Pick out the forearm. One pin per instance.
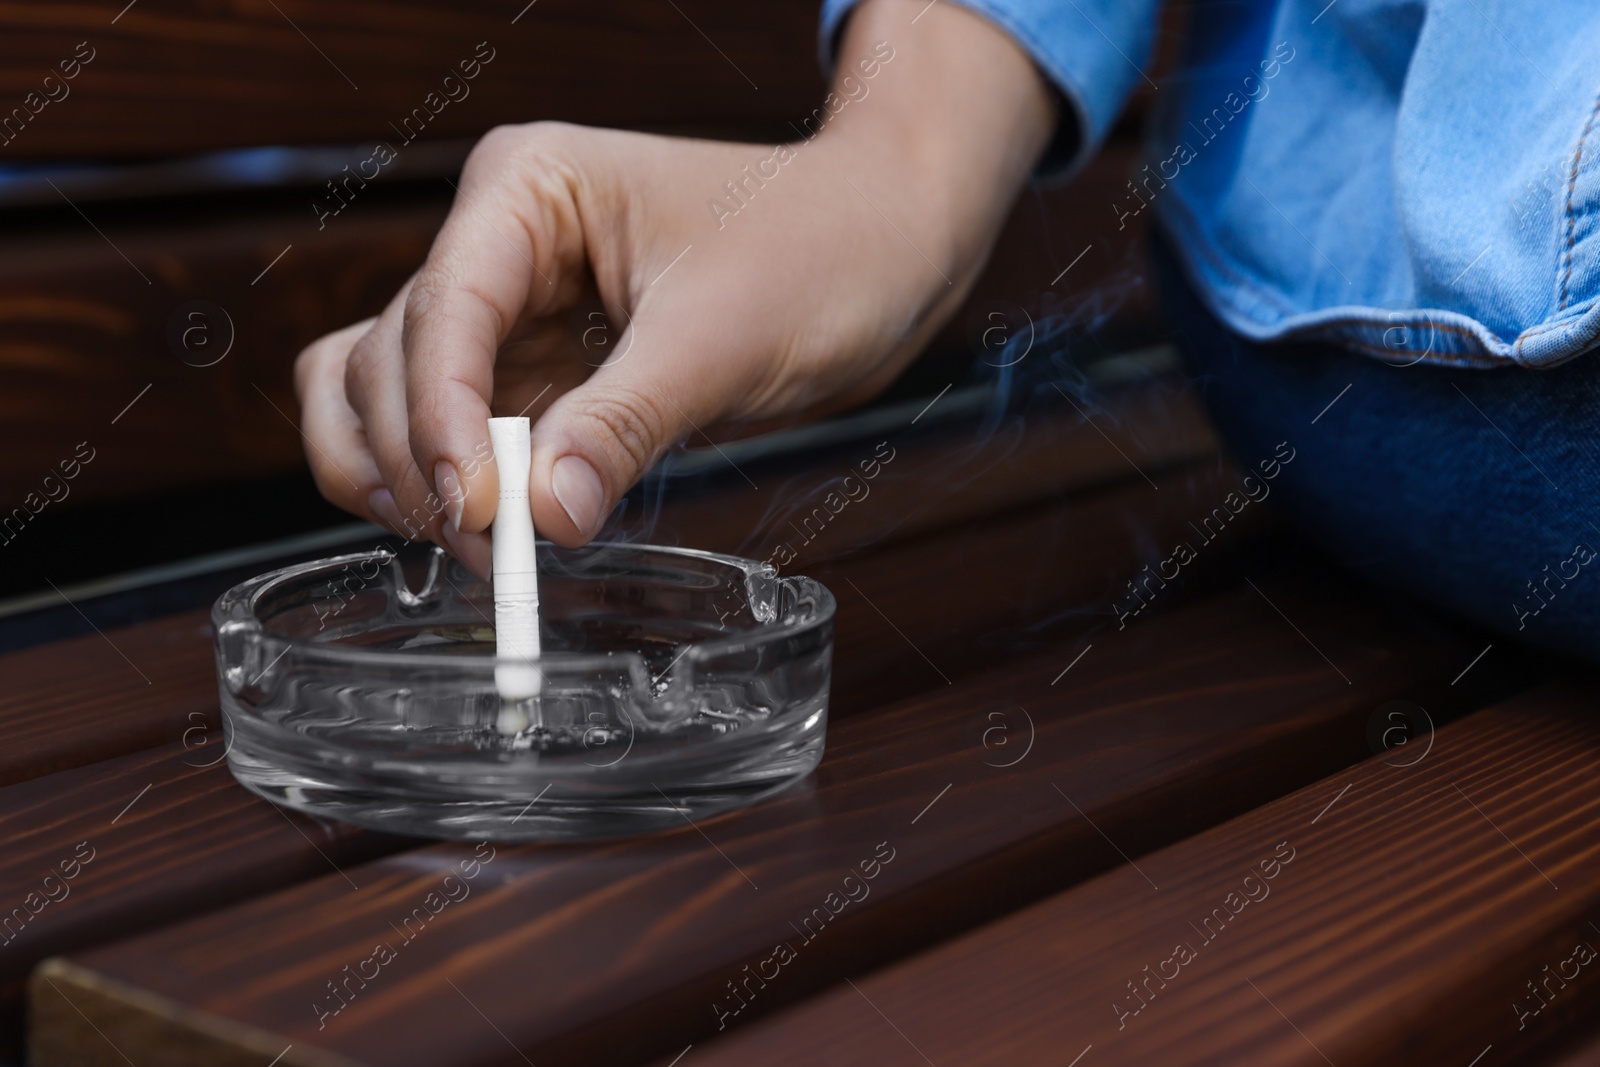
(952, 124)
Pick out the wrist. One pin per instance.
(943, 109)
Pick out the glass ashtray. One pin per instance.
(676, 684)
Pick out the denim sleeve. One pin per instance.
(1092, 51)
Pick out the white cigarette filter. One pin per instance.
(516, 575)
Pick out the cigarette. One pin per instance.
(516, 576)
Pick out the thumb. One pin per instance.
(597, 440)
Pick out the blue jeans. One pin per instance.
(1475, 490)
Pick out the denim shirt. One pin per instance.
(1415, 179)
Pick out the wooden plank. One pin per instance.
(169, 77)
(91, 698)
(632, 948)
(1153, 433)
(103, 695)
(944, 632)
(916, 614)
(1439, 913)
(138, 841)
(90, 355)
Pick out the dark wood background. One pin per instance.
(171, 77)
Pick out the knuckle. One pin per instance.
(496, 143)
(360, 367)
(443, 293)
(635, 423)
(548, 137)
(312, 359)
(506, 151)
(495, 149)
(354, 394)
(427, 293)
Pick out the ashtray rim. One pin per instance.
(400, 780)
(236, 612)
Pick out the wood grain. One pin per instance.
(160, 834)
(103, 695)
(92, 698)
(916, 614)
(85, 334)
(73, 697)
(1146, 435)
(610, 953)
(170, 77)
(1419, 909)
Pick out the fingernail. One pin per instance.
(381, 503)
(473, 550)
(578, 490)
(448, 485)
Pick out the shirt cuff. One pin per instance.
(1091, 51)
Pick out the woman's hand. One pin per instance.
(827, 264)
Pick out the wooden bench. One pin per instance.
(629, 948)
(1417, 908)
(1015, 759)
(1159, 730)
(97, 719)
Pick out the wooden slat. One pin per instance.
(960, 472)
(84, 335)
(916, 614)
(166, 832)
(1441, 913)
(94, 697)
(598, 954)
(170, 77)
(896, 634)
(103, 695)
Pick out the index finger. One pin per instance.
(487, 267)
